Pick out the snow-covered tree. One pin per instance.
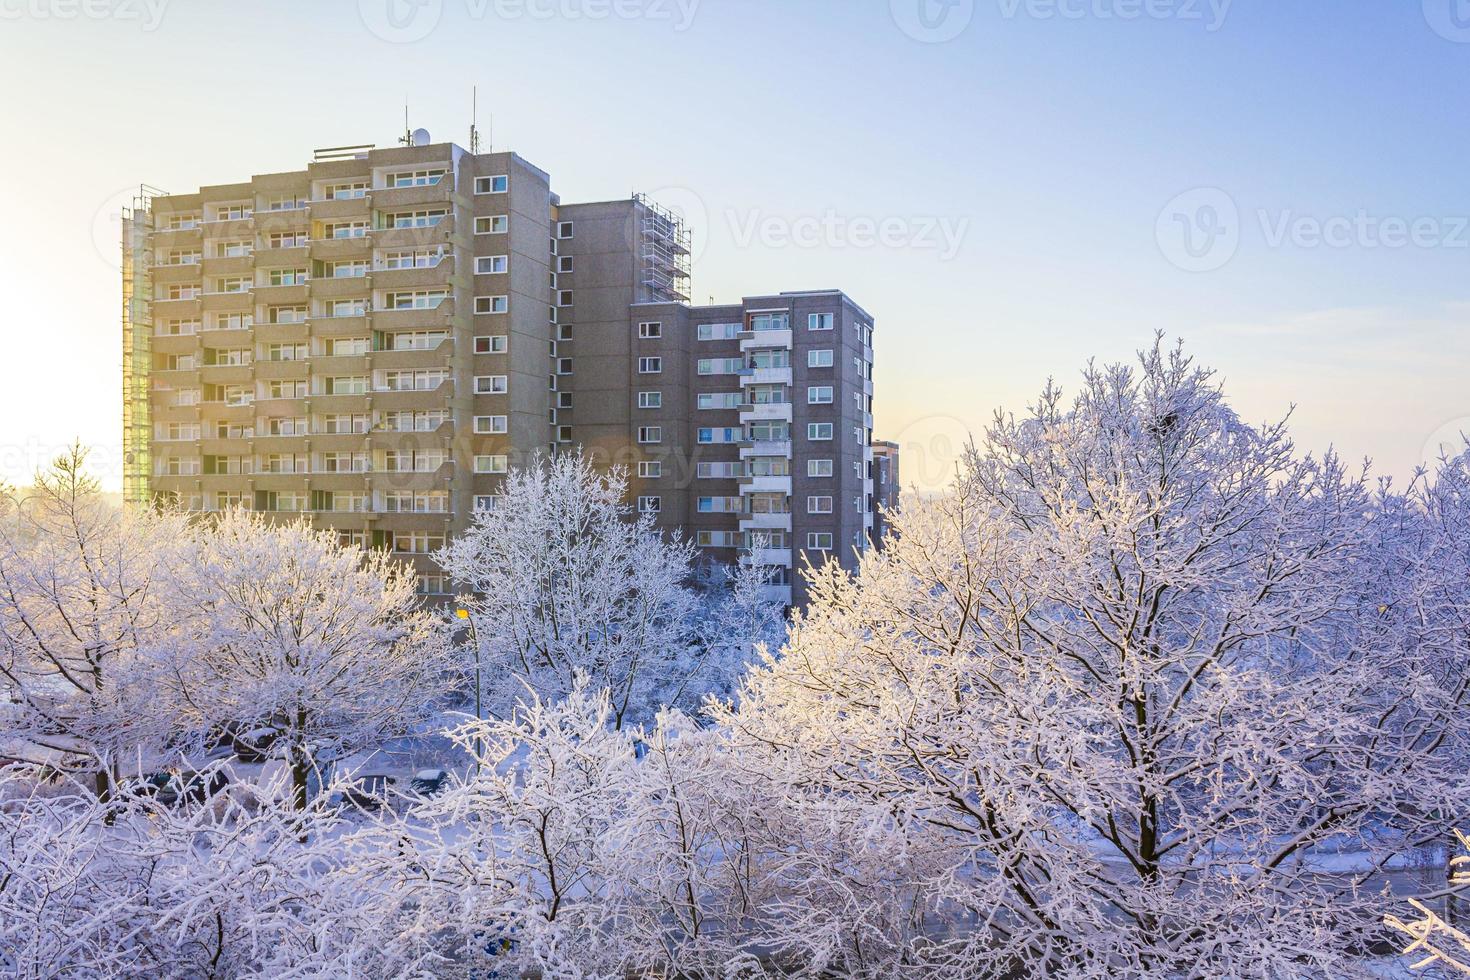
(1151, 694)
(285, 629)
(1435, 939)
(80, 605)
(562, 579)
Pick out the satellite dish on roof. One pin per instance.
(420, 137)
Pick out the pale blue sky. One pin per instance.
(1027, 175)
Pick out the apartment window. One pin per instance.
(347, 191)
(768, 466)
(415, 339)
(564, 264)
(495, 224)
(416, 299)
(411, 258)
(345, 463)
(720, 365)
(491, 384)
(485, 502)
(819, 468)
(819, 358)
(286, 314)
(720, 434)
(177, 291)
(563, 399)
(770, 321)
(650, 365)
(286, 277)
(486, 265)
(718, 505)
(415, 178)
(819, 541)
(345, 229)
(492, 304)
(286, 389)
(717, 539)
(422, 380)
(345, 424)
(564, 365)
(649, 434)
(649, 505)
(412, 462)
(650, 469)
(496, 344)
(417, 543)
(650, 399)
(286, 239)
(414, 421)
(717, 331)
(819, 395)
(564, 229)
(819, 321)
(492, 464)
(650, 331)
(718, 471)
(492, 185)
(346, 346)
(285, 427)
(347, 386)
(491, 425)
(564, 297)
(427, 218)
(819, 505)
(346, 308)
(354, 269)
(819, 431)
(718, 399)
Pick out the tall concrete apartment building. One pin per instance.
(375, 340)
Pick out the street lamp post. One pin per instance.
(464, 614)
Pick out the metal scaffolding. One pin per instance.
(663, 253)
(137, 331)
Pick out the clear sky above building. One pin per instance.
(1009, 186)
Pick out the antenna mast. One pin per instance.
(407, 138)
(474, 119)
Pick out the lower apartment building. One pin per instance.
(376, 340)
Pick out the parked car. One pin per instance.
(427, 782)
(254, 745)
(369, 792)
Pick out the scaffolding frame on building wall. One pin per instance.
(663, 252)
(137, 331)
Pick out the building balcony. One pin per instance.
(436, 356)
(414, 400)
(344, 366)
(765, 484)
(416, 278)
(773, 411)
(230, 265)
(765, 340)
(342, 209)
(766, 522)
(781, 448)
(426, 318)
(341, 249)
(768, 557)
(339, 442)
(355, 325)
(280, 370)
(236, 302)
(424, 236)
(290, 255)
(776, 593)
(268, 223)
(228, 229)
(280, 333)
(167, 309)
(766, 376)
(292, 294)
(393, 198)
(174, 237)
(165, 275)
(340, 287)
(226, 374)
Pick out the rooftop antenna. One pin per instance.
(407, 138)
(474, 119)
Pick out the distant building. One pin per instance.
(377, 339)
(886, 486)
